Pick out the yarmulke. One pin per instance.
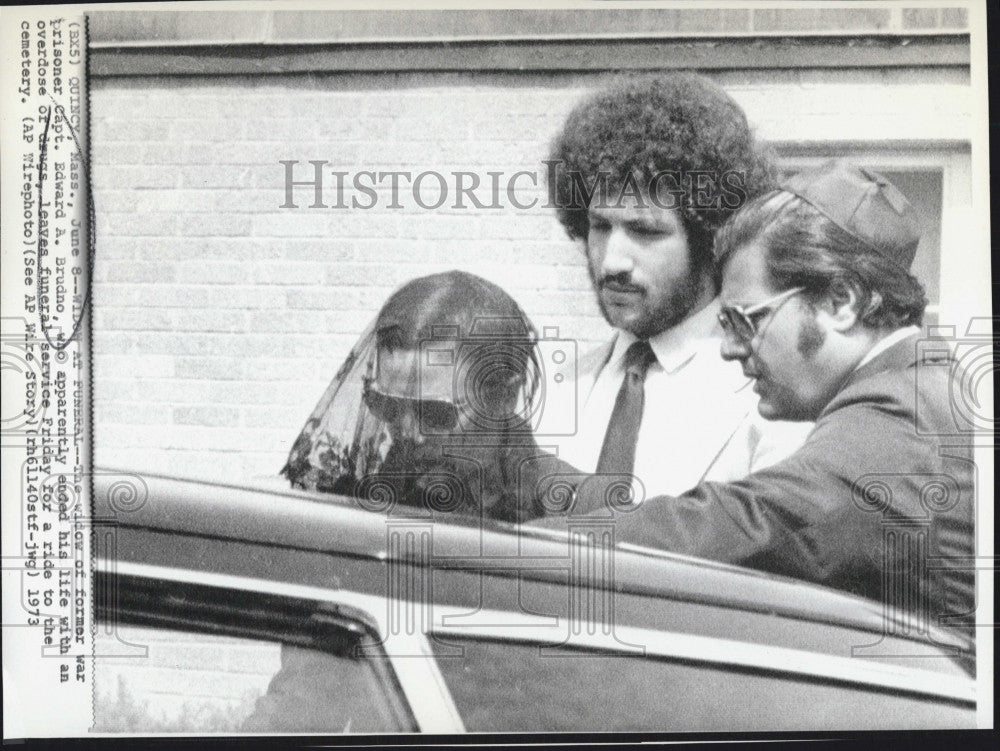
(864, 204)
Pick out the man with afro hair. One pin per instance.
(642, 175)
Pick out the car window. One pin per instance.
(177, 658)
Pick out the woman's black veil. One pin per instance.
(346, 449)
(342, 440)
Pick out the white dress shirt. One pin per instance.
(700, 419)
(884, 343)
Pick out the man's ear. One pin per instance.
(842, 308)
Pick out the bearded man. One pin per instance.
(642, 176)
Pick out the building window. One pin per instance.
(937, 183)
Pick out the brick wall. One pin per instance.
(220, 317)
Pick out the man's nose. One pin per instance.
(733, 348)
(617, 253)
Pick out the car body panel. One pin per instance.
(445, 581)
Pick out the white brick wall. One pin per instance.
(220, 318)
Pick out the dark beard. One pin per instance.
(686, 296)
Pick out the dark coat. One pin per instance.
(879, 501)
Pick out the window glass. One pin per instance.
(923, 189)
(173, 657)
(185, 682)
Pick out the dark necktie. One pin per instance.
(618, 451)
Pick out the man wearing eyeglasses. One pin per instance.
(642, 176)
(820, 310)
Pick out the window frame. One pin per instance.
(423, 690)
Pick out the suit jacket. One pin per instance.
(879, 501)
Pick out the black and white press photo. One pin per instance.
(594, 367)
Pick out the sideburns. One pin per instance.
(811, 337)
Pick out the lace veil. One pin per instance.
(466, 347)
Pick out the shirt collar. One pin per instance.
(676, 346)
(884, 343)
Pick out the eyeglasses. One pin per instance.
(433, 414)
(743, 322)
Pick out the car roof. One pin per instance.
(340, 526)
